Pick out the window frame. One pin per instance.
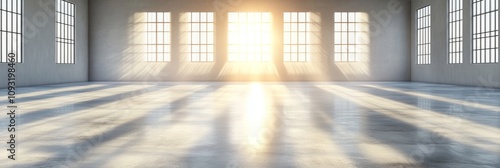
(346, 49)
(152, 37)
(65, 44)
(209, 21)
(266, 49)
(424, 55)
(455, 41)
(16, 33)
(476, 59)
(302, 32)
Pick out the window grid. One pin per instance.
(65, 29)
(201, 26)
(249, 36)
(11, 29)
(455, 19)
(348, 29)
(424, 35)
(297, 41)
(158, 36)
(485, 31)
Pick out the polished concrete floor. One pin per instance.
(234, 125)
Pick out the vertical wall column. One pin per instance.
(467, 31)
(221, 37)
(175, 38)
(277, 39)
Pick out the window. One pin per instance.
(349, 30)
(249, 36)
(424, 36)
(158, 36)
(11, 29)
(485, 31)
(201, 42)
(65, 28)
(455, 31)
(297, 36)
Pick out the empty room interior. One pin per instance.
(250, 83)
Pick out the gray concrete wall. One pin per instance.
(39, 66)
(485, 75)
(116, 37)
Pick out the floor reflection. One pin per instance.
(392, 124)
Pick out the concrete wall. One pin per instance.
(39, 66)
(117, 38)
(485, 75)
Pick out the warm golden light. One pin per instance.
(249, 37)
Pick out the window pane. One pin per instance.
(65, 32)
(296, 34)
(158, 36)
(455, 33)
(10, 30)
(201, 36)
(349, 28)
(249, 37)
(484, 31)
(424, 35)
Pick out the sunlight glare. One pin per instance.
(255, 113)
(249, 36)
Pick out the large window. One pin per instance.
(158, 36)
(455, 31)
(249, 36)
(11, 29)
(349, 30)
(485, 31)
(65, 32)
(201, 42)
(297, 27)
(424, 35)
